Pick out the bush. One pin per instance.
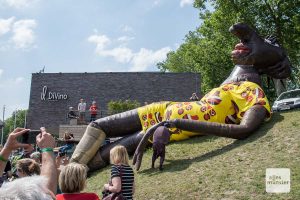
(121, 106)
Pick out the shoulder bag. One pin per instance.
(116, 195)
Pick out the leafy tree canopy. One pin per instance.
(17, 119)
(119, 106)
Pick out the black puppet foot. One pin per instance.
(161, 168)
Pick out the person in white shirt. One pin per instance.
(81, 110)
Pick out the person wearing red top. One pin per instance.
(93, 110)
(77, 196)
(72, 181)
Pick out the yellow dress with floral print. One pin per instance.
(225, 104)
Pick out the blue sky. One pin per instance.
(85, 36)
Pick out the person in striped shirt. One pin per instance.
(122, 176)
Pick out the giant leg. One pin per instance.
(118, 125)
(101, 159)
(162, 157)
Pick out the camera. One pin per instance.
(61, 154)
(30, 136)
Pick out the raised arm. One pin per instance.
(10, 145)
(250, 122)
(46, 143)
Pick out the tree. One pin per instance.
(207, 49)
(10, 122)
(119, 106)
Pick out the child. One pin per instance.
(122, 176)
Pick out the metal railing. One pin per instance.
(100, 114)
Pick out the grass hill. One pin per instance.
(220, 168)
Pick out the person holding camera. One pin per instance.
(72, 114)
(7, 174)
(69, 143)
(194, 97)
(33, 187)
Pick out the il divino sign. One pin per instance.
(52, 96)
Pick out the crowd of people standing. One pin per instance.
(44, 176)
(80, 113)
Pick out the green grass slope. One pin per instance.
(219, 168)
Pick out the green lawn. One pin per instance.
(219, 168)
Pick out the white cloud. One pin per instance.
(8, 84)
(145, 58)
(127, 29)
(5, 25)
(186, 2)
(24, 36)
(139, 61)
(125, 39)
(120, 54)
(1, 72)
(100, 40)
(156, 2)
(176, 46)
(19, 80)
(19, 4)
(20, 33)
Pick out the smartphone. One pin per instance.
(30, 136)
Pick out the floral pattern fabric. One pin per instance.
(225, 104)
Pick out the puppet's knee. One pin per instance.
(97, 162)
(89, 144)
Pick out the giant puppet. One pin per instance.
(235, 109)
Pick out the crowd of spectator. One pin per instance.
(44, 175)
(38, 182)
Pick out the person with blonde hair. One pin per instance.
(27, 167)
(122, 176)
(72, 180)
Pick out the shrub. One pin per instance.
(121, 106)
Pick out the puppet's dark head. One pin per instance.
(265, 55)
